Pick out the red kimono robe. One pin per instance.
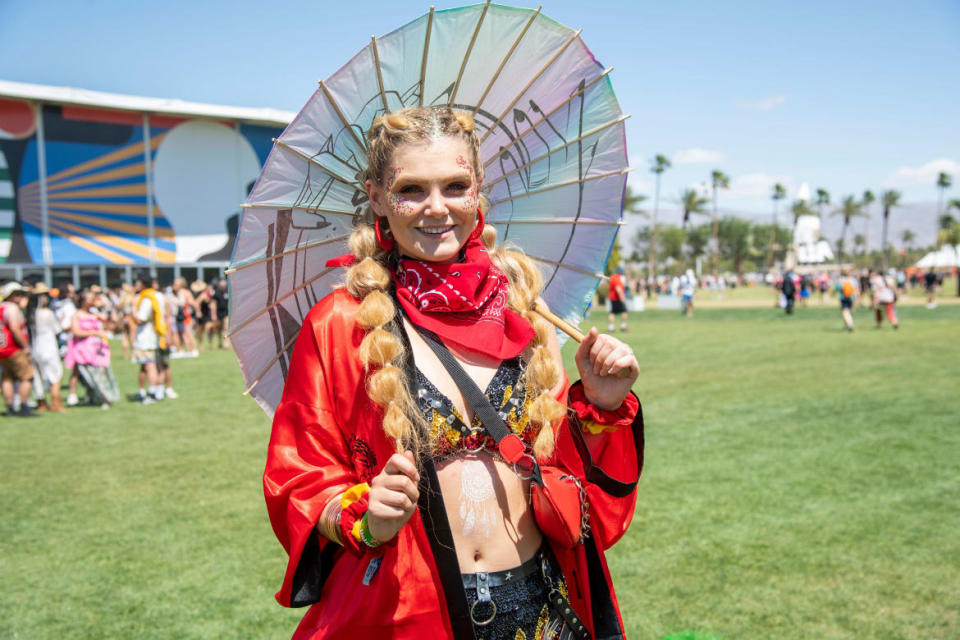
(327, 436)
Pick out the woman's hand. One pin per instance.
(607, 369)
(393, 496)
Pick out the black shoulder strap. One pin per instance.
(477, 400)
(437, 527)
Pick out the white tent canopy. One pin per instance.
(946, 256)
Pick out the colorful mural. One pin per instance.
(120, 188)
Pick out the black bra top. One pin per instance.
(449, 433)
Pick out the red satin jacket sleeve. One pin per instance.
(308, 460)
(610, 464)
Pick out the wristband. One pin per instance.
(354, 529)
(365, 536)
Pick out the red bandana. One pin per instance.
(463, 302)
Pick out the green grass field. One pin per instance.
(800, 482)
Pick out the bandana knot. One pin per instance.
(463, 302)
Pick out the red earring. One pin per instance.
(386, 242)
(478, 230)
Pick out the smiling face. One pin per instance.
(430, 197)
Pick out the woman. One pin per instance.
(885, 298)
(44, 328)
(203, 293)
(399, 512)
(127, 326)
(88, 354)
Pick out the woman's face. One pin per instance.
(429, 197)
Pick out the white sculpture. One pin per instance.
(806, 238)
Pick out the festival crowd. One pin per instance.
(46, 333)
(871, 288)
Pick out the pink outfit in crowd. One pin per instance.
(90, 350)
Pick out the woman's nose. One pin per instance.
(436, 203)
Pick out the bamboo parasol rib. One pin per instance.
(466, 56)
(505, 59)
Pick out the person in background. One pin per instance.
(164, 372)
(203, 295)
(901, 277)
(884, 299)
(186, 313)
(222, 315)
(88, 355)
(151, 332)
(864, 287)
(823, 284)
(847, 292)
(618, 301)
(806, 284)
(128, 327)
(48, 369)
(64, 306)
(15, 349)
(930, 286)
(687, 285)
(789, 289)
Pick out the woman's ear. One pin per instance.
(375, 195)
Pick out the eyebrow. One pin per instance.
(406, 178)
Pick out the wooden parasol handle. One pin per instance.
(558, 322)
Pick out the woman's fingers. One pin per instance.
(583, 351)
(400, 484)
(601, 350)
(402, 464)
(625, 363)
(393, 495)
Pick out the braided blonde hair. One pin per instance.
(382, 352)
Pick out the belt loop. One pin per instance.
(483, 595)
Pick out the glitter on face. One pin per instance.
(430, 202)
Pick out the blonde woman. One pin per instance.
(402, 514)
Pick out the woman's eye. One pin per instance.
(410, 190)
(458, 186)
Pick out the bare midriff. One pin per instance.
(488, 508)
(487, 504)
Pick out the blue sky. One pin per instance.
(846, 96)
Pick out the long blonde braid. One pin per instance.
(368, 280)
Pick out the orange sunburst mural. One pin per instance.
(98, 209)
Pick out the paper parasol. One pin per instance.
(552, 143)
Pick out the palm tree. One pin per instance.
(858, 242)
(692, 202)
(779, 193)
(849, 210)
(658, 166)
(735, 240)
(889, 199)
(907, 237)
(718, 180)
(823, 197)
(944, 182)
(867, 200)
